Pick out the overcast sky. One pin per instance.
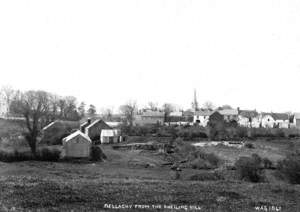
(237, 52)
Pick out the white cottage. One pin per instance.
(270, 120)
(202, 117)
(296, 121)
(77, 145)
(249, 118)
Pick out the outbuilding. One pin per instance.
(110, 136)
(77, 145)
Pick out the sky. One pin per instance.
(237, 52)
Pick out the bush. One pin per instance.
(201, 164)
(290, 168)
(249, 168)
(267, 163)
(205, 176)
(46, 154)
(202, 160)
(96, 154)
(249, 145)
(15, 156)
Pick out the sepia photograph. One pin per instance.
(161, 105)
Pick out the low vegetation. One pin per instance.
(207, 176)
(290, 168)
(43, 154)
(250, 168)
(96, 154)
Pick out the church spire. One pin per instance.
(195, 102)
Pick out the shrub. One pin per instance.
(46, 154)
(199, 163)
(96, 154)
(205, 176)
(249, 168)
(290, 168)
(249, 145)
(267, 163)
(242, 132)
(15, 156)
(202, 160)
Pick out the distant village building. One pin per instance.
(77, 145)
(216, 117)
(296, 120)
(249, 118)
(229, 114)
(109, 136)
(150, 117)
(201, 117)
(272, 120)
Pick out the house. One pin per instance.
(216, 117)
(229, 114)
(201, 117)
(77, 145)
(54, 132)
(271, 120)
(176, 114)
(150, 117)
(296, 120)
(109, 136)
(188, 116)
(249, 118)
(94, 129)
(282, 120)
(267, 120)
(85, 124)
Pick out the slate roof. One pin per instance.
(297, 115)
(95, 122)
(248, 113)
(73, 135)
(204, 112)
(278, 116)
(228, 112)
(153, 114)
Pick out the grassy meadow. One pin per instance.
(142, 180)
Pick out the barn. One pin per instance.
(77, 145)
(95, 128)
(54, 132)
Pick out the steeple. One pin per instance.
(195, 102)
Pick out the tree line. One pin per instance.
(39, 108)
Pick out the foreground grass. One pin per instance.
(78, 192)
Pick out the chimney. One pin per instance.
(89, 121)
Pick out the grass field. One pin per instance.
(124, 179)
(137, 179)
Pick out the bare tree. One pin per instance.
(92, 110)
(167, 108)
(129, 110)
(81, 109)
(208, 105)
(153, 106)
(34, 106)
(7, 93)
(107, 114)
